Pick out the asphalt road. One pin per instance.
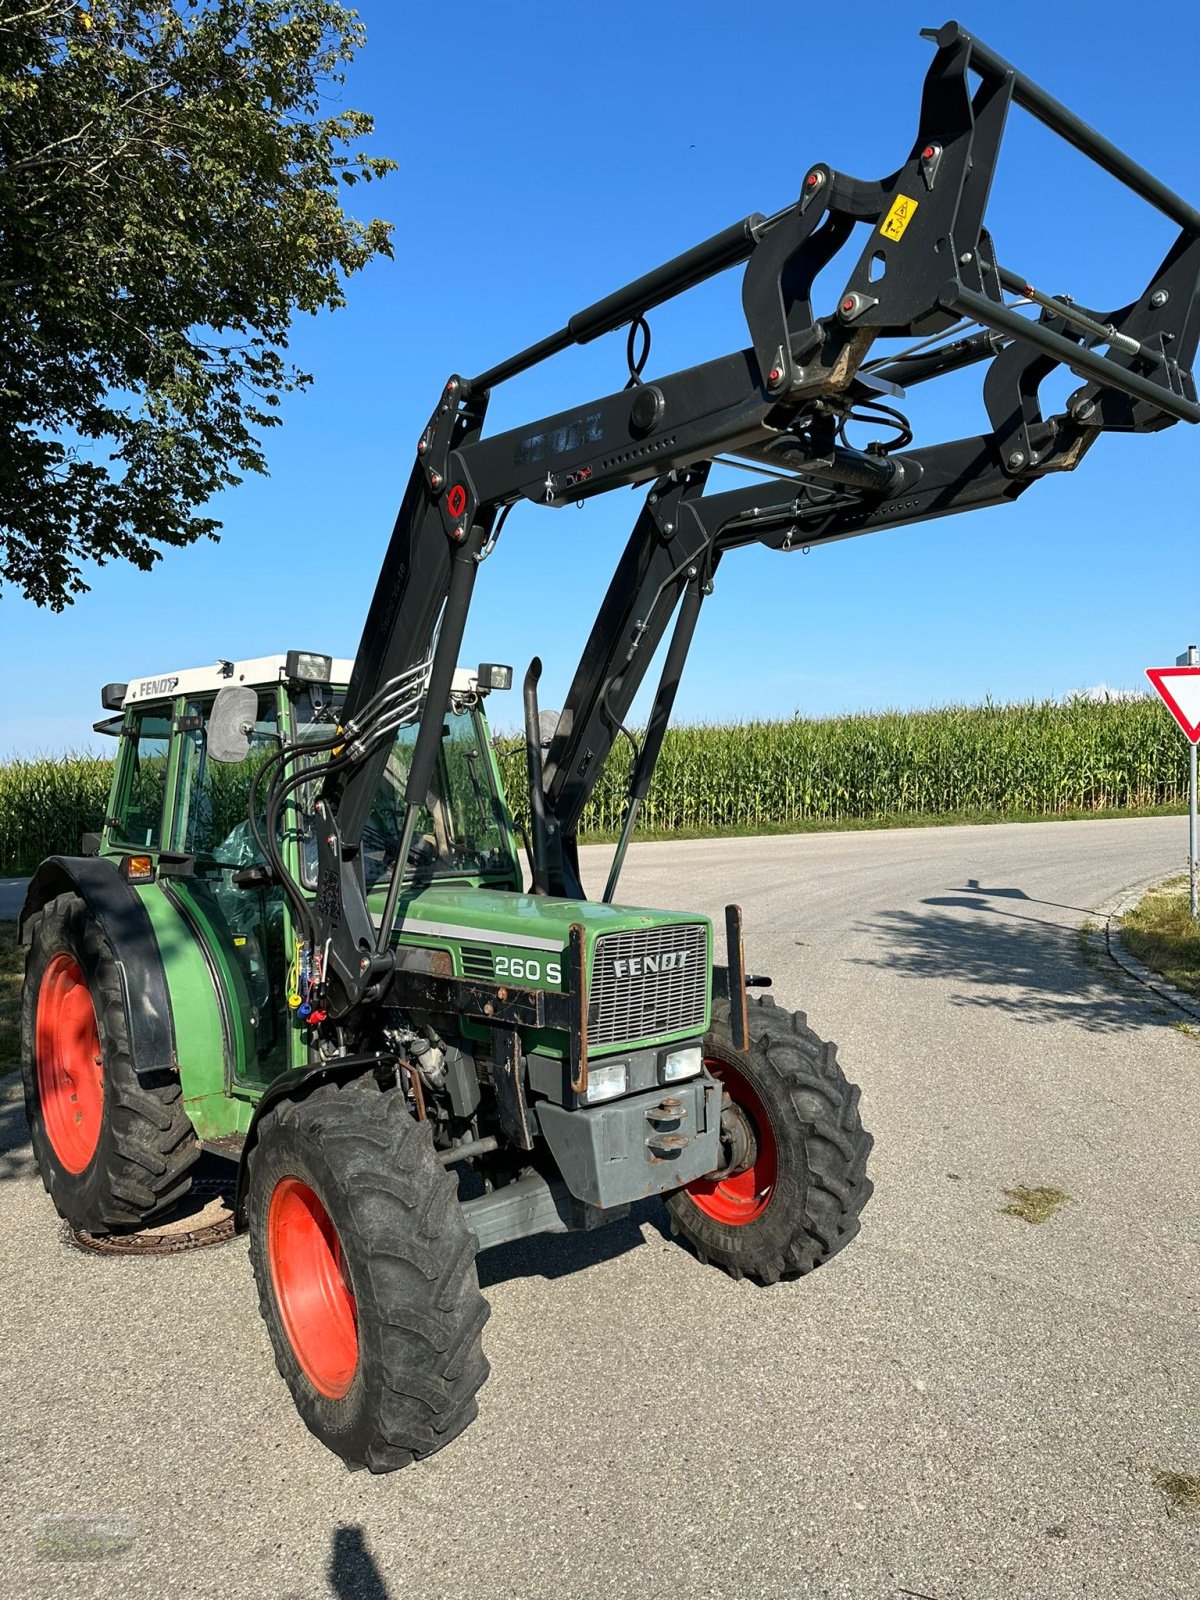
(961, 1405)
(12, 897)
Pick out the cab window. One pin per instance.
(460, 830)
(142, 791)
(212, 807)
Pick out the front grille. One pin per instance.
(477, 962)
(647, 982)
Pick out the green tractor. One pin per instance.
(168, 1008)
(304, 936)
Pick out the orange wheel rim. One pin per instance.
(312, 1287)
(70, 1066)
(743, 1196)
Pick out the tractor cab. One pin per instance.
(179, 819)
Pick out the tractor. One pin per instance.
(314, 936)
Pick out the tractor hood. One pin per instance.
(520, 921)
(648, 972)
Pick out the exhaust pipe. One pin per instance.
(539, 844)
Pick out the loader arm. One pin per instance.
(779, 407)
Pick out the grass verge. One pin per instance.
(1160, 933)
(1033, 1205)
(930, 819)
(12, 971)
(1182, 1489)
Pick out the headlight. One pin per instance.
(682, 1064)
(606, 1083)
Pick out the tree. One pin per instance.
(170, 196)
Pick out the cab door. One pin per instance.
(245, 932)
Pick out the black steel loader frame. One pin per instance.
(778, 407)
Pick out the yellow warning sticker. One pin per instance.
(898, 218)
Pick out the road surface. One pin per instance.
(961, 1405)
(12, 897)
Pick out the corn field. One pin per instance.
(45, 804)
(1040, 760)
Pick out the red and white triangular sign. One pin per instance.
(1180, 691)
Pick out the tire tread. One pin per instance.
(820, 1109)
(397, 1212)
(143, 1165)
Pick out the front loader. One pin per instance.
(305, 937)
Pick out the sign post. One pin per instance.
(1179, 688)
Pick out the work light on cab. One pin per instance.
(306, 666)
(491, 675)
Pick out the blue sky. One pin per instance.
(549, 153)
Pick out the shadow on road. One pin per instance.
(16, 1154)
(353, 1572)
(557, 1255)
(1037, 971)
(546, 1256)
(975, 897)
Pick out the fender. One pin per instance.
(130, 933)
(294, 1085)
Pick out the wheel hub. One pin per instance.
(739, 1145)
(741, 1188)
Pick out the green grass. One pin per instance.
(929, 819)
(1159, 931)
(12, 971)
(1182, 1489)
(1034, 1206)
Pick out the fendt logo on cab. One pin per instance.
(157, 686)
(641, 966)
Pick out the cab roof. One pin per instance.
(257, 671)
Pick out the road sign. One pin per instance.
(1180, 691)
(1179, 687)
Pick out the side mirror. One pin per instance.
(231, 725)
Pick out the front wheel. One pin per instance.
(366, 1275)
(793, 1180)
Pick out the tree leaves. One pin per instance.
(170, 189)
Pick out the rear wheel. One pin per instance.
(794, 1152)
(114, 1150)
(366, 1275)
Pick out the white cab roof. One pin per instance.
(258, 672)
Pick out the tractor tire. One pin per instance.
(795, 1152)
(114, 1151)
(366, 1275)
